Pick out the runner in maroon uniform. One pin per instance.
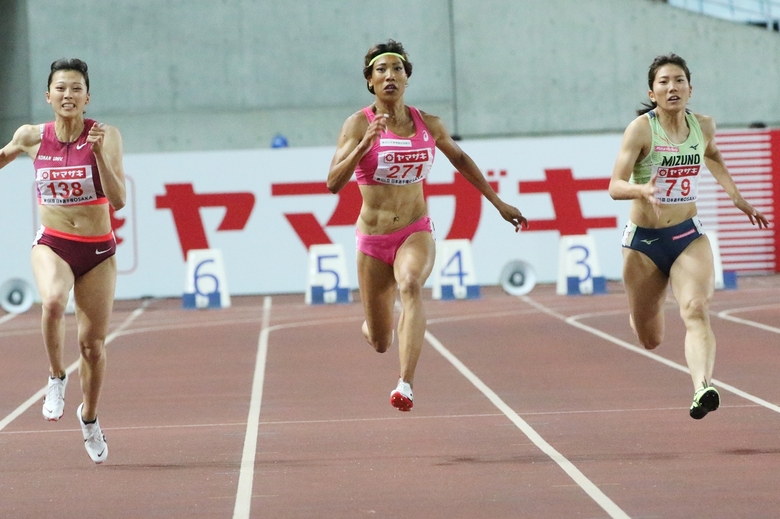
(78, 172)
(389, 146)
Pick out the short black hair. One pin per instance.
(382, 48)
(658, 62)
(74, 64)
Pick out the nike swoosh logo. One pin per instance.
(79, 146)
(101, 251)
(649, 242)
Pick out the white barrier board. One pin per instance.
(206, 283)
(454, 276)
(579, 271)
(327, 278)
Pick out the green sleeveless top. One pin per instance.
(677, 165)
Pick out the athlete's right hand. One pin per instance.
(650, 192)
(375, 129)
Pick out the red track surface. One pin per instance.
(612, 436)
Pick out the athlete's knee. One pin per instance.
(649, 335)
(650, 342)
(383, 345)
(53, 306)
(410, 286)
(92, 350)
(696, 309)
(380, 345)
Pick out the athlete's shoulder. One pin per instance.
(639, 127)
(705, 121)
(434, 125)
(28, 135)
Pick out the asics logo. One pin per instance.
(101, 251)
(649, 242)
(79, 146)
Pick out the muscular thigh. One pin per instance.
(94, 296)
(645, 285)
(52, 274)
(693, 273)
(377, 289)
(415, 257)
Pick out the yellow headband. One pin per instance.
(385, 54)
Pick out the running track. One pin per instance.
(538, 406)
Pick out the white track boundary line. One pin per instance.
(70, 369)
(726, 315)
(587, 485)
(7, 317)
(623, 344)
(247, 472)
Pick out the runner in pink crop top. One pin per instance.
(394, 160)
(394, 234)
(66, 173)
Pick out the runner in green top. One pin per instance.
(658, 168)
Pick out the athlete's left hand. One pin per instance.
(512, 215)
(756, 217)
(95, 137)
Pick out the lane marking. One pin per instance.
(636, 349)
(7, 317)
(574, 473)
(364, 420)
(70, 369)
(726, 315)
(247, 472)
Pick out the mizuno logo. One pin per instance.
(101, 251)
(79, 146)
(694, 146)
(649, 242)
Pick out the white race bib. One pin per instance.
(65, 185)
(678, 184)
(403, 167)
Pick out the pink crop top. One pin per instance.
(394, 160)
(66, 173)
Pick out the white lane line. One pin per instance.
(584, 483)
(247, 472)
(726, 315)
(7, 317)
(70, 369)
(363, 420)
(573, 321)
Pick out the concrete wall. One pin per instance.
(581, 65)
(15, 104)
(230, 74)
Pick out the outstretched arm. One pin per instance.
(714, 162)
(25, 140)
(466, 166)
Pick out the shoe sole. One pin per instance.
(400, 402)
(708, 402)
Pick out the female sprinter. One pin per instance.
(390, 146)
(78, 172)
(658, 168)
